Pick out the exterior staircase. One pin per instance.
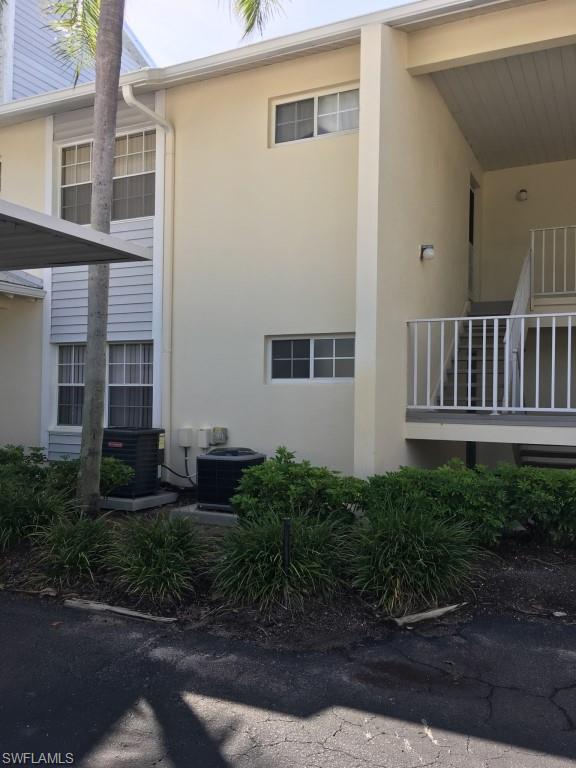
(473, 353)
(546, 456)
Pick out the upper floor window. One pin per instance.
(134, 178)
(316, 116)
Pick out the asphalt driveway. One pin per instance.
(105, 692)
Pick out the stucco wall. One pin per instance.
(264, 245)
(22, 153)
(423, 186)
(20, 365)
(507, 222)
(22, 150)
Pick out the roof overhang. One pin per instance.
(408, 17)
(29, 239)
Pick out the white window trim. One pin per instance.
(71, 428)
(311, 379)
(59, 146)
(58, 426)
(315, 94)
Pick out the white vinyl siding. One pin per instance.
(318, 115)
(78, 124)
(37, 66)
(131, 293)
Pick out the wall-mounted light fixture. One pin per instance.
(522, 195)
(426, 252)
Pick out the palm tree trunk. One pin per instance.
(108, 60)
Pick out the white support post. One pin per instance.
(442, 364)
(569, 365)
(428, 353)
(553, 366)
(537, 372)
(456, 343)
(495, 370)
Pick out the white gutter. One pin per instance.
(168, 257)
(342, 33)
(12, 289)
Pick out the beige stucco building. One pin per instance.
(307, 199)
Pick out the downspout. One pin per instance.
(168, 258)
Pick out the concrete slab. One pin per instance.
(205, 516)
(143, 502)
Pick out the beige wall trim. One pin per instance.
(511, 31)
(491, 433)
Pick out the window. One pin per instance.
(71, 384)
(130, 385)
(134, 178)
(312, 358)
(316, 116)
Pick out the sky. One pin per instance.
(179, 30)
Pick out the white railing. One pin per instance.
(516, 332)
(465, 363)
(553, 270)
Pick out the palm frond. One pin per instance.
(76, 22)
(255, 13)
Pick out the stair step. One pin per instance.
(547, 456)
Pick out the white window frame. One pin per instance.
(109, 385)
(60, 146)
(316, 94)
(60, 384)
(311, 378)
(69, 428)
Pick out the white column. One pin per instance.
(367, 262)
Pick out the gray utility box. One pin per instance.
(219, 471)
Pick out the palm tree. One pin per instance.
(92, 29)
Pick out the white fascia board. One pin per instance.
(12, 289)
(342, 33)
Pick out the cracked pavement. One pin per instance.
(495, 691)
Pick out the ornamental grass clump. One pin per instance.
(25, 502)
(250, 569)
(156, 558)
(73, 547)
(406, 559)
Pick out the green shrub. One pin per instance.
(25, 503)
(543, 498)
(155, 558)
(73, 547)
(250, 571)
(63, 475)
(406, 559)
(476, 497)
(290, 488)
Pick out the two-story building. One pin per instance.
(362, 237)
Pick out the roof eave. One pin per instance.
(336, 35)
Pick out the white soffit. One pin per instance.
(29, 239)
(519, 110)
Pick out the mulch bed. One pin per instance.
(521, 579)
